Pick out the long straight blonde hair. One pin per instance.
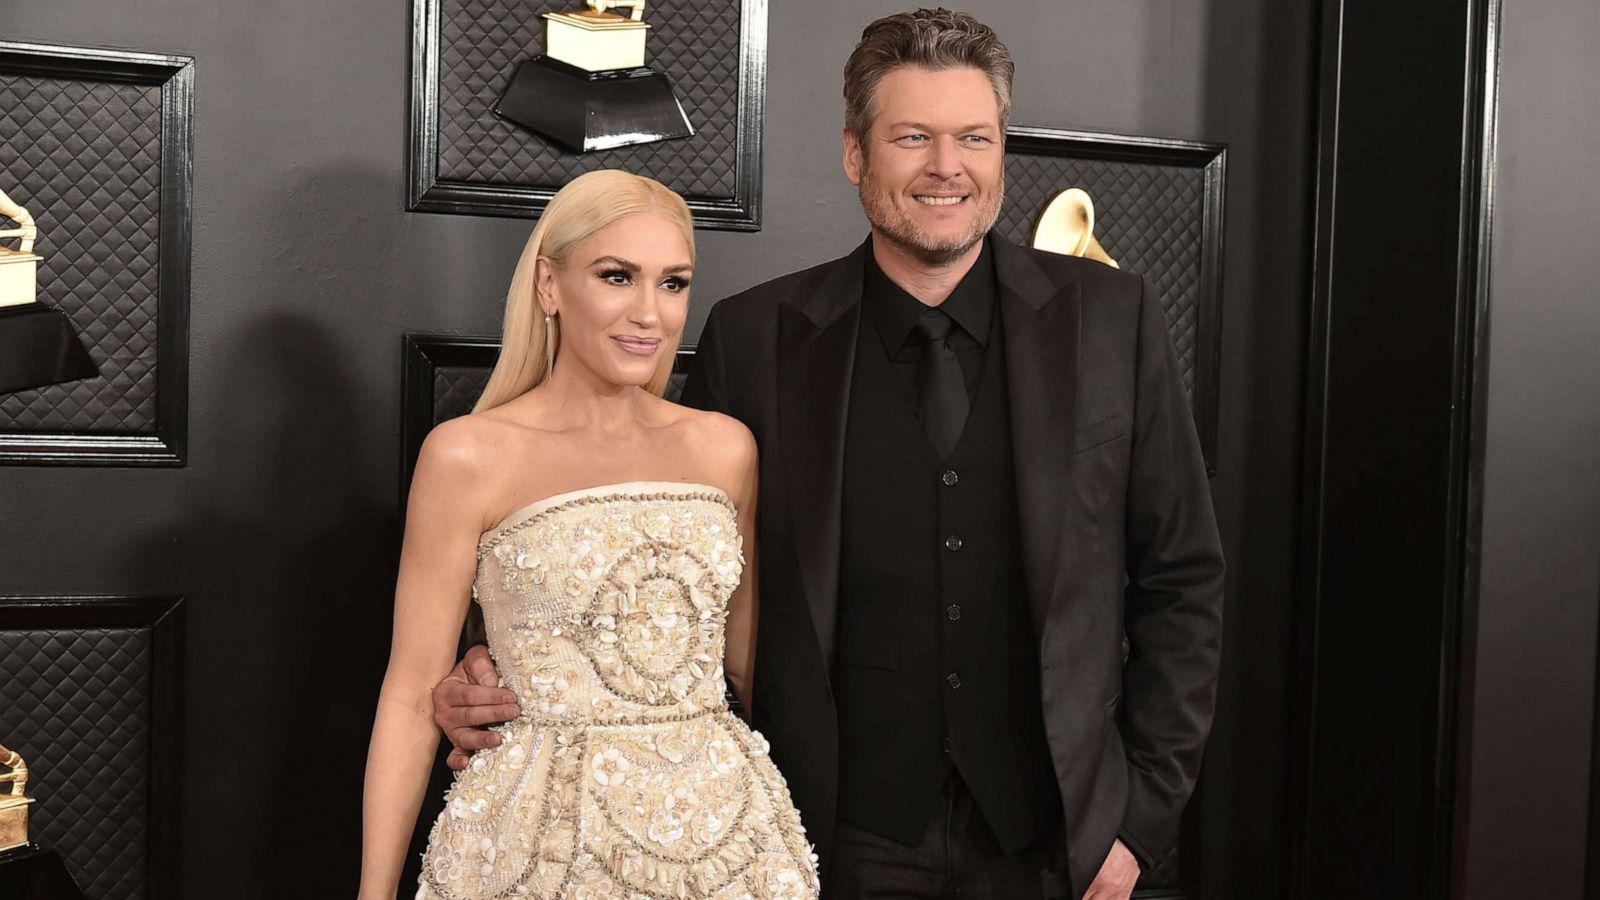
(590, 202)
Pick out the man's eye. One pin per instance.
(914, 139)
(978, 139)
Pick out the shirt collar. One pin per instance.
(895, 312)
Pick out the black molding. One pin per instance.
(175, 76)
(426, 192)
(1392, 464)
(164, 617)
(1591, 890)
(421, 354)
(1212, 160)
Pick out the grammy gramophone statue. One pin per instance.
(14, 801)
(38, 343)
(19, 268)
(27, 870)
(1066, 226)
(592, 90)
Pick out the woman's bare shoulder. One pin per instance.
(472, 445)
(716, 449)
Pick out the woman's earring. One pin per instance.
(549, 345)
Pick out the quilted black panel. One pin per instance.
(456, 389)
(85, 159)
(76, 704)
(695, 42)
(1148, 217)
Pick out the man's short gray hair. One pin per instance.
(929, 39)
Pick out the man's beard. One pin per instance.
(889, 221)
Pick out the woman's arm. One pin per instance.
(739, 658)
(444, 519)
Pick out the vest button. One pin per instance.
(949, 478)
(953, 612)
(953, 680)
(953, 542)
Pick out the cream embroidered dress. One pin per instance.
(626, 776)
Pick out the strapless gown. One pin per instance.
(626, 775)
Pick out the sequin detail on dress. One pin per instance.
(626, 776)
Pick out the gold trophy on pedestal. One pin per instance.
(26, 869)
(592, 89)
(19, 268)
(38, 343)
(14, 802)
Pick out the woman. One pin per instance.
(600, 528)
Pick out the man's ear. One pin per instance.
(854, 162)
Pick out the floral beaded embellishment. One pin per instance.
(626, 776)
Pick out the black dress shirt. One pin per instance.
(895, 312)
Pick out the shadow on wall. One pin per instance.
(287, 548)
(289, 586)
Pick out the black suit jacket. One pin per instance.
(1121, 558)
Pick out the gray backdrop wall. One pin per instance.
(280, 532)
(1541, 530)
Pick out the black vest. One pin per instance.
(938, 664)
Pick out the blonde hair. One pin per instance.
(590, 202)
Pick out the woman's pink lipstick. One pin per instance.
(638, 346)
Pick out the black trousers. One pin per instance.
(956, 857)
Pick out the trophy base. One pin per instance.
(31, 872)
(586, 111)
(39, 346)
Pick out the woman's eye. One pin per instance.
(616, 277)
(676, 284)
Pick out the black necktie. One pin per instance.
(944, 389)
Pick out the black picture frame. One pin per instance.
(174, 75)
(163, 616)
(428, 192)
(1210, 160)
(1357, 813)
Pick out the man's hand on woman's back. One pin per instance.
(469, 699)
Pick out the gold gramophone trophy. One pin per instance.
(19, 268)
(26, 869)
(592, 89)
(1066, 226)
(38, 343)
(14, 802)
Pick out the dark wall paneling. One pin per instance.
(1158, 212)
(90, 694)
(443, 375)
(1591, 862)
(464, 159)
(1390, 481)
(95, 143)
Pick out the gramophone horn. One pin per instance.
(1066, 226)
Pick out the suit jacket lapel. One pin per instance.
(817, 331)
(1042, 322)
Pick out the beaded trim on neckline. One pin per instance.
(635, 491)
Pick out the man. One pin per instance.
(991, 583)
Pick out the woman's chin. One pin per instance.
(632, 376)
